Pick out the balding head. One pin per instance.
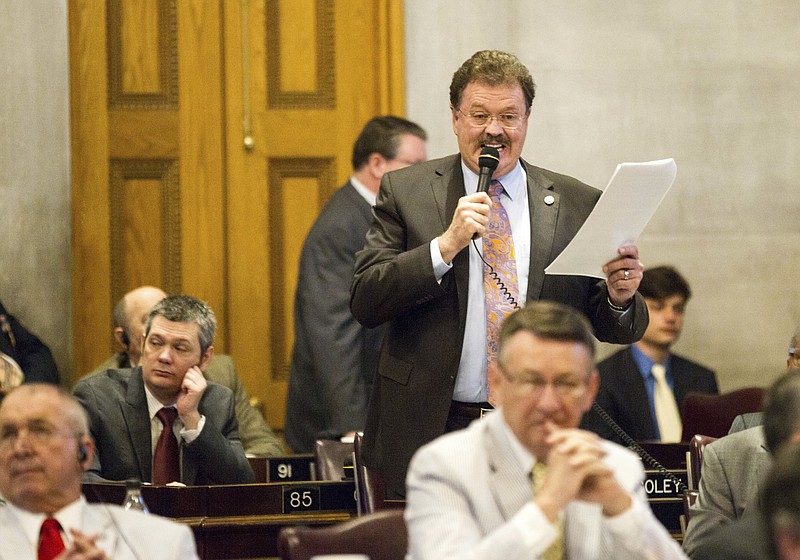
(44, 447)
(130, 318)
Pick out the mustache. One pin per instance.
(489, 139)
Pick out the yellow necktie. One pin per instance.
(667, 415)
(556, 549)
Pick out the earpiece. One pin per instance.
(126, 341)
(82, 453)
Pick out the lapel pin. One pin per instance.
(549, 199)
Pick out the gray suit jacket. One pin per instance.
(257, 437)
(734, 467)
(124, 535)
(465, 489)
(394, 282)
(120, 425)
(745, 421)
(334, 357)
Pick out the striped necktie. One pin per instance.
(556, 549)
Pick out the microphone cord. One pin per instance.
(497, 280)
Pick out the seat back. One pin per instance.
(370, 487)
(696, 446)
(689, 498)
(381, 536)
(330, 457)
(713, 415)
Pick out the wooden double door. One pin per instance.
(206, 136)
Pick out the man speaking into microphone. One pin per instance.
(445, 294)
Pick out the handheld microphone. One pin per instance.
(487, 162)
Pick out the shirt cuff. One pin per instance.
(440, 267)
(536, 531)
(190, 435)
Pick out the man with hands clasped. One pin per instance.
(524, 481)
(163, 422)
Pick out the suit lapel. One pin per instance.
(447, 187)
(137, 419)
(508, 484)
(12, 537)
(96, 520)
(543, 227)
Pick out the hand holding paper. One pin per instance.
(629, 201)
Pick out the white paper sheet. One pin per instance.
(628, 202)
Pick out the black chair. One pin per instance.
(381, 536)
(370, 488)
(330, 458)
(689, 497)
(696, 446)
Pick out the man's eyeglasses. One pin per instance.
(565, 387)
(38, 433)
(479, 119)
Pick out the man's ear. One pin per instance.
(121, 337)
(496, 383)
(86, 449)
(592, 386)
(205, 359)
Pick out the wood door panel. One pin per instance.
(206, 136)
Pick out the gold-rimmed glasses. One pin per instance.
(479, 119)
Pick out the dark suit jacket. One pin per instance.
(623, 396)
(256, 436)
(120, 425)
(32, 355)
(334, 357)
(394, 282)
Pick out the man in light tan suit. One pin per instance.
(130, 317)
(469, 491)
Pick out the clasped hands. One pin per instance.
(576, 471)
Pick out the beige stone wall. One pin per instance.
(34, 171)
(712, 84)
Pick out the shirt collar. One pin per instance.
(368, 195)
(153, 404)
(645, 362)
(523, 456)
(69, 517)
(514, 182)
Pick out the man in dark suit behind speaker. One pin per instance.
(627, 383)
(334, 357)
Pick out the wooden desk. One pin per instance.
(663, 493)
(241, 520)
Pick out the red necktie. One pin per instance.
(166, 461)
(50, 543)
(498, 251)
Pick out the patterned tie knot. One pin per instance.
(495, 189)
(167, 415)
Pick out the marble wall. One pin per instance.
(34, 171)
(713, 85)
